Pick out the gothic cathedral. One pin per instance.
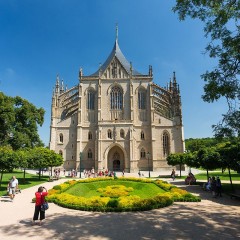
(116, 119)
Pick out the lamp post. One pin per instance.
(80, 156)
(148, 156)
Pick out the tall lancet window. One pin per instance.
(116, 98)
(166, 145)
(91, 98)
(142, 99)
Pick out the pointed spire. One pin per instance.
(57, 84)
(62, 87)
(170, 85)
(174, 77)
(80, 74)
(116, 32)
(150, 72)
(131, 69)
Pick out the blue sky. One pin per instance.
(40, 39)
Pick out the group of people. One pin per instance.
(213, 185)
(103, 173)
(13, 187)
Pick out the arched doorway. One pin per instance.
(116, 159)
(116, 165)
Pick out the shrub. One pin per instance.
(113, 203)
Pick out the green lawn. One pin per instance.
(223, 176)
(143, 190)
(30, 180)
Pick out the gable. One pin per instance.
(115, 69)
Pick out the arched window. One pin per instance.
(109, 133)
(122, 133)
(61, 138)
(143, 153)
(116, 98)
(142, 99)
(166, 146)
(89, 136)
(90, 155)
(60, 152)
(90, 100)
(142, 135)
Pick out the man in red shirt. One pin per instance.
(40, 199)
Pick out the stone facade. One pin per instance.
(116, 118)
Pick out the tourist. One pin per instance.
(12, 187)
(214, 186)
(139, 173)
(93, 172)
(218, 187)
(173, 174)
(40, 199)
(207, 186)
(190, 179)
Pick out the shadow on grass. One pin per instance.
(180, 221)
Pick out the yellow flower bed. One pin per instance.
(116, 197)
(115, 191)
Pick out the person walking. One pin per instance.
(40, 199)
(12, 187)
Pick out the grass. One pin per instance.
(30, 180)
(87, 190)
(223, 176)
(203, 175)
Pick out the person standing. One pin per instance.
(218, 187)
(12, 187)
(173, 174)
(40, 199)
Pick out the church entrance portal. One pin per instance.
(116, 165)
(115, 159)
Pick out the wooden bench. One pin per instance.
(234, 195)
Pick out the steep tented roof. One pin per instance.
(116, 52)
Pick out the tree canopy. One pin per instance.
(19, 120)
(221, 19)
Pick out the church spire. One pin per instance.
(57, 89)
(62, 87)
(116, 32)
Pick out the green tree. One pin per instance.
(40, 158)
(176, 159)
(27, 119)
(19, 121)
(208, 159)
(7, 161)
(7, 117)
(230, 157)
(21, 156)
(221, 19)
(196, 144)
(190, 159)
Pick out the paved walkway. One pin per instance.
(210, 219)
